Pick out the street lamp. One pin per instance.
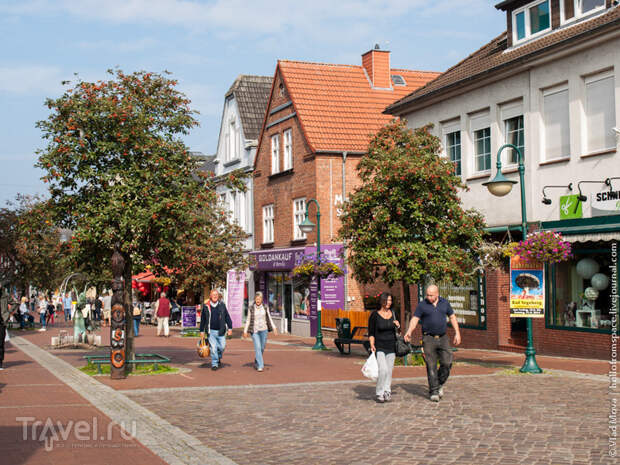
(499, 187)
(306, 227)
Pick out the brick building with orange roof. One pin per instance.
(319, 120)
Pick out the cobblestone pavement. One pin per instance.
(506, 418)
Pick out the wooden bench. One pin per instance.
(359, 332)
(155, 359)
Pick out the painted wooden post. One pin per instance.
(118, 338)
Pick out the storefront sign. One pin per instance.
(570, 207)
(276, 260)
(235, 285)
(608, 201)
(313, 307)
(188, 317)
(527, 288)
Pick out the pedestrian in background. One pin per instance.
(382, 335)
(162, 308)
(259, 323)
(107, 308)
(215, 320)
(66, 306)
(137, 316)
(42, 304)
(5, 314)
(433, 312)
(49, 316)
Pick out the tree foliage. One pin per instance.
(406, 222)
(119, 173)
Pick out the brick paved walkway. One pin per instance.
(490, 419)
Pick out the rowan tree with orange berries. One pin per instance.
(405, 222)
(119, 173)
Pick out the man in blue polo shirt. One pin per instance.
(433, 312)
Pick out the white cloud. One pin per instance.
(31, 79)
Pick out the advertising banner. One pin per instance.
(527, 288)
(235, 285)
(332, 289)
(188, 317)
(467, 301)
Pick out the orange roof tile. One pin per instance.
(336, 104)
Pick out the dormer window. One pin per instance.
(531, 21)
(572, 10)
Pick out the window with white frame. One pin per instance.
(299, 214)
(237, 208)
(481, 136)
(531, 20)
(600, 112)
(511, 114)
(556, 123)
(268, 224)
(482, 149)
(232, 150)
(453, 150)
(575, 9)
(288, 149)
(275, 153)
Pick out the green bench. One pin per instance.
(155, 359)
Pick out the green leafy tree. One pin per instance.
(119, 173)
(405, 222)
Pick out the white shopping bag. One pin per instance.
(371, 369)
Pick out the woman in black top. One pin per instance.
(382, 334)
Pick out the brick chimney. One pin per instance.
(376, 62)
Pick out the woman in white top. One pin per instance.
(259, 323)
(42, 311)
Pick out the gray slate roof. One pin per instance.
(252, 95)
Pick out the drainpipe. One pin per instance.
(344, 242)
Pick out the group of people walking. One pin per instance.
(432, 313)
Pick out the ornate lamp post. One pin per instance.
(500, 186)
(306, 227)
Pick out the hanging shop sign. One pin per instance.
(527, 288)
(570, 207)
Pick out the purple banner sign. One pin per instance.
(188, 317)
(332, 289)
(276, 259)
(235, 285)
(313, 307)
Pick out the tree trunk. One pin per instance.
(405, 308)
(127, 302)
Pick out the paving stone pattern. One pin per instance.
(494, 419)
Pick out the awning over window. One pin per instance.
(600, 228)
(144, 277)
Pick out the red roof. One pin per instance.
(337, 106)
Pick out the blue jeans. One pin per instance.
(260, 340)
(42, 319)
(136, 325)
(218, 344)
(67, 312)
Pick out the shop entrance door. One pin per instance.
(288, 305)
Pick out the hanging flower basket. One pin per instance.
(310, 268)
(544, 246)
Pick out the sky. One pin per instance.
(205, 44)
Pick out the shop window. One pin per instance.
(467, 301)
(575, 9)
(268, 224)
(275, 153)
(579, 291)
(301, 299)
(453, 150)
(556, 123)
(299, 214)
(531, 20)
(600, 114)
(288, 149)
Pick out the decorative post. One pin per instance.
(118, 337)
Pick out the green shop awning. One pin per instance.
(599, 228)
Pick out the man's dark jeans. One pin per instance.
(437, 349)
